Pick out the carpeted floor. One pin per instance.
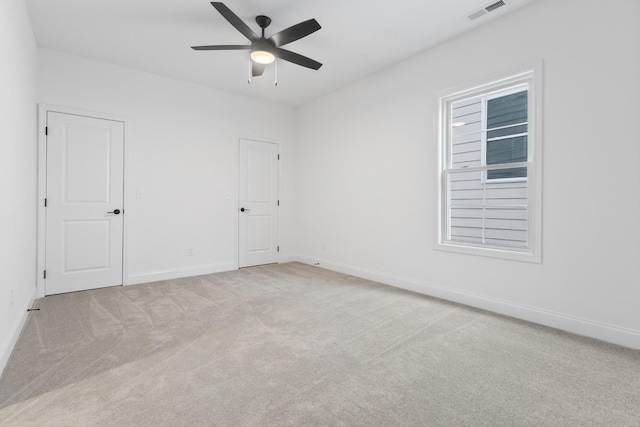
(292, 344)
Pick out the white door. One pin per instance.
(84, 203)
(258, 199)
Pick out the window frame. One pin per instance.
(532, 77)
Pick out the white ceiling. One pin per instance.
(358, 38)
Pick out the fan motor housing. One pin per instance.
(263, 44)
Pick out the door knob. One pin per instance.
(116, 211)
(245, 210)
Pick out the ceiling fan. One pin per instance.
(265, 50)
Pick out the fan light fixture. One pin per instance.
(262, 57)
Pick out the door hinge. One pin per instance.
(45, 274)
(278, 156)
(46, 130)
(45, 202)
(278, 248)
(278, 202)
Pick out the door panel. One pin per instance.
(87, 165)
(258, 196)
(81, 257)
(85, 174)
(258, 233)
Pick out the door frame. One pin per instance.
(43, 110)
(237, 201)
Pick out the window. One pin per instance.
(489, 182)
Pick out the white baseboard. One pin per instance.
(288, 258)
(7, 347)
(601, 331)
(137, 278)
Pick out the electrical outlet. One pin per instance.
(11, 301)
(190, 251)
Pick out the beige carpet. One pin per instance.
(296, 345)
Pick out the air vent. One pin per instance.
(494, 6)
(477, 14)
(486, 9)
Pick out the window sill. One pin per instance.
(492, 252)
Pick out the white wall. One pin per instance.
(369, 153)
(183, 142)
(17, 171)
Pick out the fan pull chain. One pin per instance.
(249, 79)
(275, 83)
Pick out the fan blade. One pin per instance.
(235, 20)
(296, 58)
(295, 32)
(257, 69)
(223, 47)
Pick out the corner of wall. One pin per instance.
(7, 347)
